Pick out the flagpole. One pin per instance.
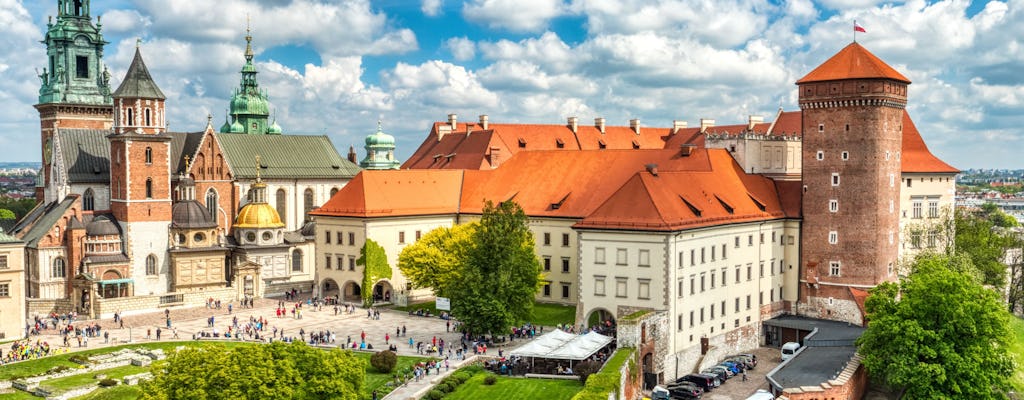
(855, 31)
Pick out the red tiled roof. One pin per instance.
(916, 157)
(790, 197)
(853, 62)
(396, 193)
(675, 200)
(788, 123)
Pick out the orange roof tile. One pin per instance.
(675, 200)
(788, 123)
(790, 197)
(916, 157)
(853, 62)
(396, 193)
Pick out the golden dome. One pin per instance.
(258, 215)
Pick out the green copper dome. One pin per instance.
(380, 151)
(237, 127)
(380, 138)
(226, 128)
(249, 107)
(274, 129)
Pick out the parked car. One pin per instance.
(706, 382)
(747, 362)
(751, 356)
(736, 368)
(684, 391)
(660, 393)
(721, 373)
(789, 349)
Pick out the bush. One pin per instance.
(384, 361)
(490, 380)
(444, 387)
(79, 359)
(584, 369)
(108, 382)
(434, 394)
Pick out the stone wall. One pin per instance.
(851, 384)
(105, 308)
(43, 307)
(690, 359)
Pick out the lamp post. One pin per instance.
(129, 334)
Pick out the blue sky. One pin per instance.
(335, 66)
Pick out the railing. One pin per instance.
(172, 299)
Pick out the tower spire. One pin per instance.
(248, 40)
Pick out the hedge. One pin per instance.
(607, 380)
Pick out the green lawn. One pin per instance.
(18, 395)
(374, 380)
(1017, 350)
(543, 313)
(119, 392)
(515, 388)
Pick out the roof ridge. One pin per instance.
(138, 83)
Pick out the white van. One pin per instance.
(761, 394)
(789, 349)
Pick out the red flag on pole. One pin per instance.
(858, 28)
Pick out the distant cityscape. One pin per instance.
(18, 179)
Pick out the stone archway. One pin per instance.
(114, 289)
(601, 320)
(352, 292)
(383, 292)
(647, 371)
(329, 288)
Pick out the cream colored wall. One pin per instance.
(556, 252)
(675, 281)
(198, 270)
(49, 286)
(755, 154)
(12, 307)
(923, 188)
(295, 190)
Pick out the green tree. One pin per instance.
(938, 334)
(277, 370)
(502, 272)
(375, 267)
(984, 243)
(6, 214)
(438, 258)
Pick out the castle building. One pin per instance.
(12, 287)
(699, 235)
(380, 151)
(134, 217)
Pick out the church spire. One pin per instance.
(250, 109)
(75, 72)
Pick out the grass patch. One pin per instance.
(515, 388)
(546, 314)
(86, 379)
(429, 306)
(1017, 351)
(119, 392)
(378, 381)
(18, 395)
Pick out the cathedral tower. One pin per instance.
(75, 86)
(852, 123)
(380, 151)
(140, 182)
(250, 109)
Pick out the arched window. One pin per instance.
(60, 267)
(308, 202)
(151, 265)
(88, 200)
(211, 203)
(148, 118)
(149, 155)
(149, 188)
(281, 200)
(333, 191)
(131, 117)
(297, 260)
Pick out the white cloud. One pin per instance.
(439, 83)
(514, 15)
(723, 23)
(431, 8)
(461, 48)
(548, 51)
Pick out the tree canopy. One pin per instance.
(273, 371)
(488, 269)
(938, 334)
(983, 239)
(374, 260)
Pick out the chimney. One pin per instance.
(686, 149)
(652, 168)
(442, 130)
(677, 125)
(573, 124)
(453, 121)
(469, 129)
(483, 122)
(599, 124)
(495, 157)
(705, 124)
(635, 125)
(352, 155)
(754, 120)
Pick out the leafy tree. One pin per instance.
(277, 370)
(384, 361)
(437, 259)
(20, 207)
(938, 334)
(984, 243)
(6, 214)
(502, 272)
(375, 262)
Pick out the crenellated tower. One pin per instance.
(852, 122)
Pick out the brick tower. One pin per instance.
(140, 181)
(75, 85)
(852, 122)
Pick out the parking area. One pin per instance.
(735, 389)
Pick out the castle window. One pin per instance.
(297, 261)
(821, 128)
(327, 261)
(833, 205)
(917, 208)
(833, 268)
(3, 262)
(821, 155)
(131, 117)
(835, 179)
(888, 155)
(151, 265)
(82, 67)
(282, 204)
(846, 155)
(352, 238)
(933, 208)
(149, 155)
(149, 188)
(307, 202)
(60, 267)
(211, 204)
(599, 256)
(565, 264)
(88, 200)
(149, 119)
(833, 237)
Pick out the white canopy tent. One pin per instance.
(561, 345)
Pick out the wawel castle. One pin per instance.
(711, 229)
